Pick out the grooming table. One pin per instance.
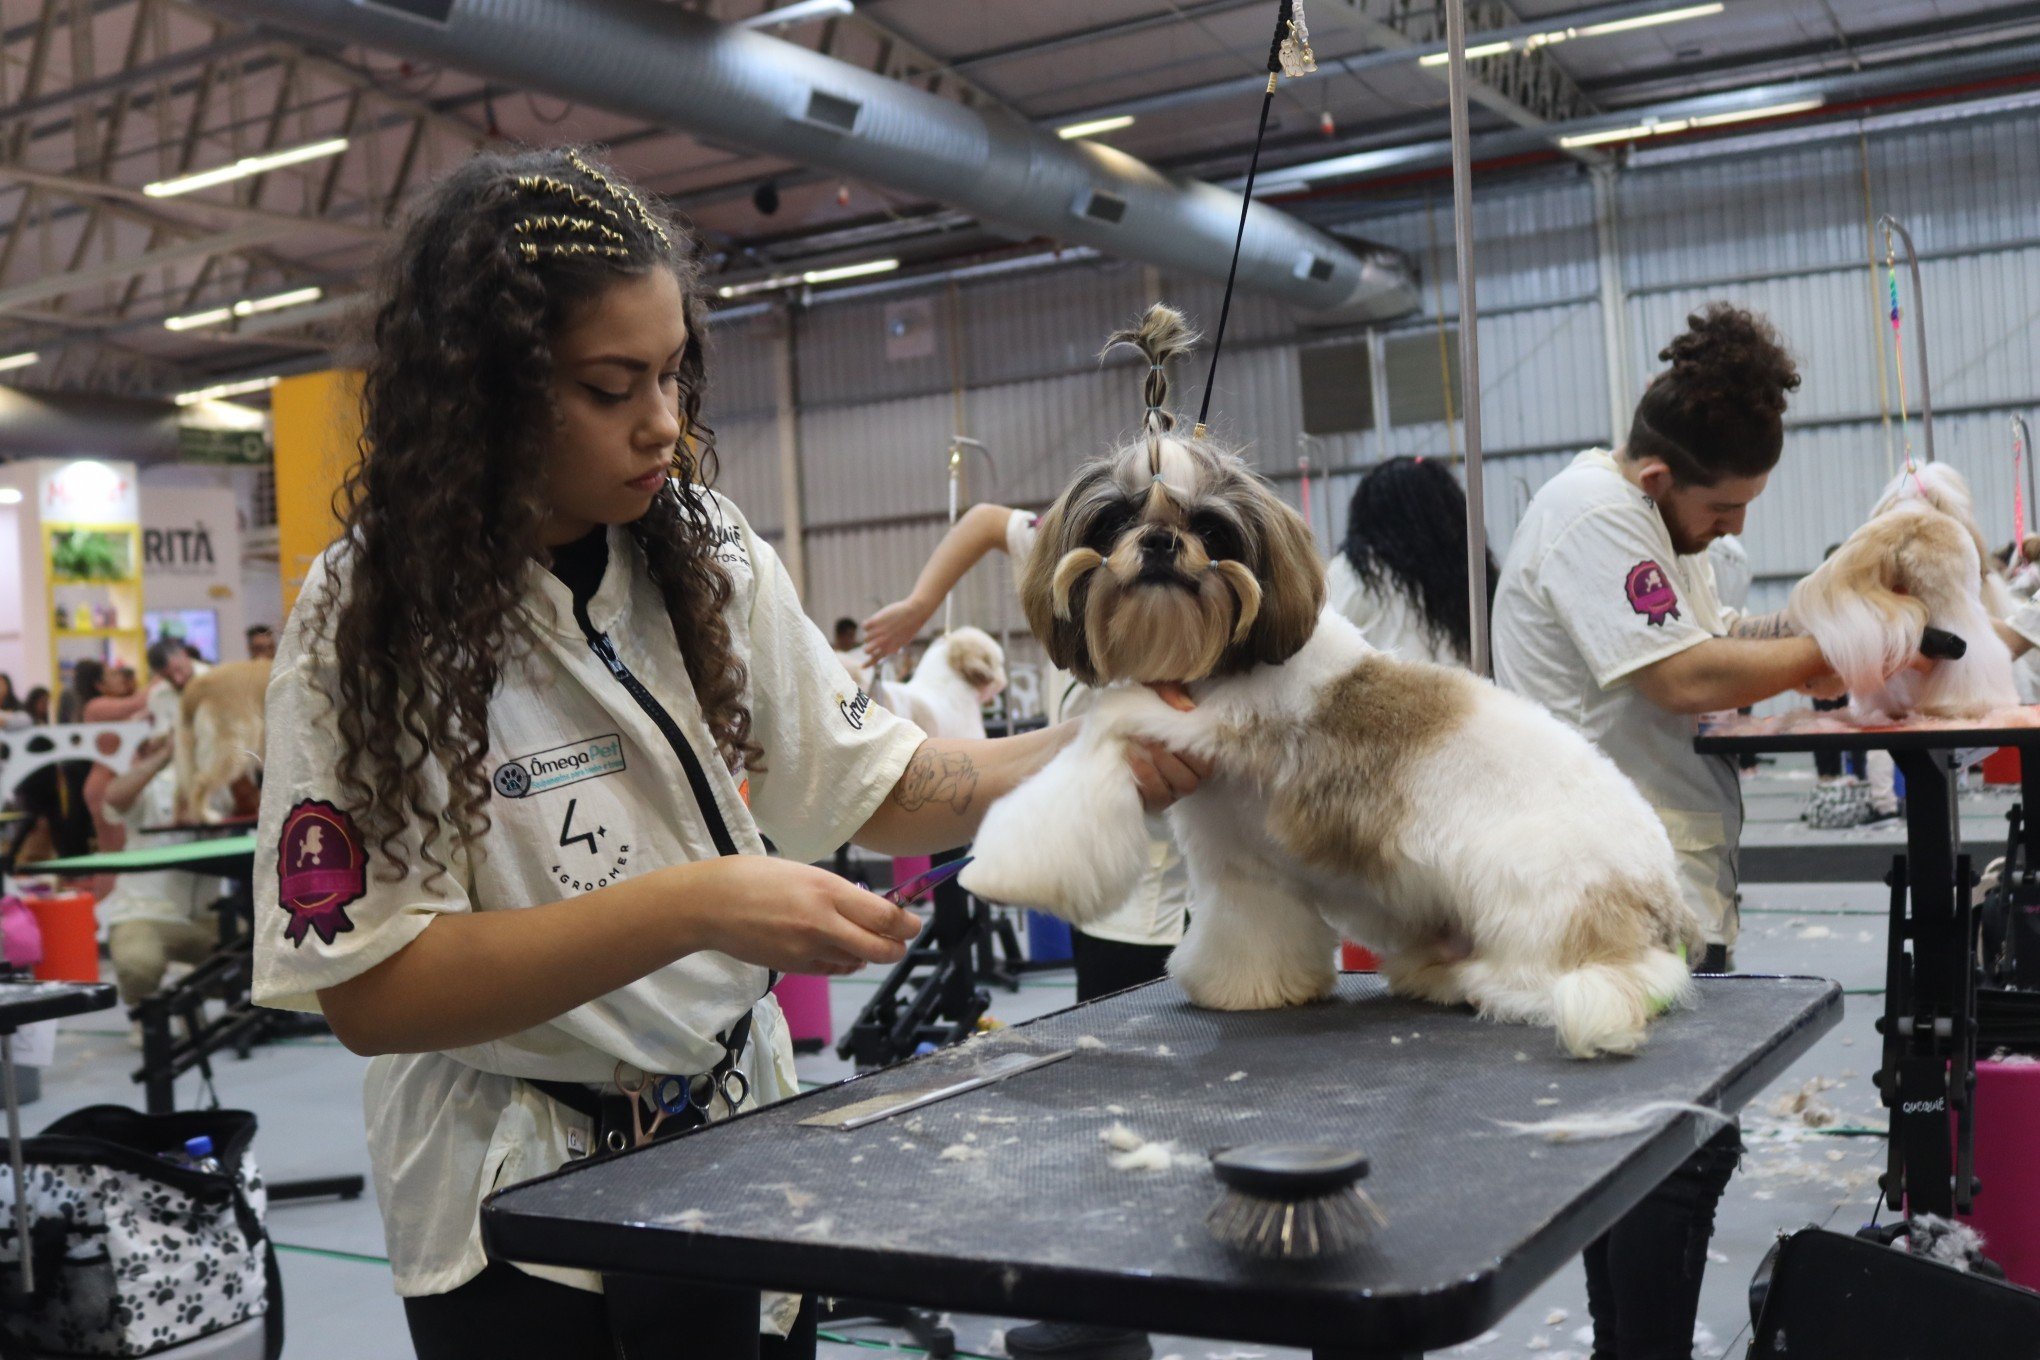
(1041, 1226)
(228, 973)
(1928, 1077)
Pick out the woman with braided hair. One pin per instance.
(531, 722)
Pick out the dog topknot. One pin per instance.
(1162, 334)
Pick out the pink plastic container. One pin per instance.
(805, 999)
(2007, 1210)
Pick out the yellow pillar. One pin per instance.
(317, 420)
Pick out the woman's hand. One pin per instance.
(894, 626)
(1164, 775)
(794, 918)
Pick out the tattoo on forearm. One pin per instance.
(937, 777)
(1764, 626)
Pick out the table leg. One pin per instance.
(14, 1163)
(1919, 1086)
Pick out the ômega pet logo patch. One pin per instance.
(544, 771)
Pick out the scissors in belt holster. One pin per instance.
(655, 1099)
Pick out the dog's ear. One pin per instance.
(1060, 631)
(979, 667)
(1291, 574)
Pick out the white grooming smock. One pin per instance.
(1158, 909)
(1385, 615)
(167, 895)
(587, 791)
(1592, 592)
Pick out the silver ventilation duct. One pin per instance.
(667, 66)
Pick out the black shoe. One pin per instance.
(1073, 1341)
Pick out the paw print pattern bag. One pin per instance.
(136, 1251)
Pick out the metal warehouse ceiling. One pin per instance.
(99, 98)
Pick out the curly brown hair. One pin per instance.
(443, 512)
(1719, 410)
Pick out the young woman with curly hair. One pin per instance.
(532, 720)
(1606, 613)
(1400, 575)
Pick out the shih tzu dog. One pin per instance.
(218, 739)
(1943, 488)
(1917, 564)
(962, 671)
(1485, 851)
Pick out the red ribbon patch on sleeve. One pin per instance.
(321, 868)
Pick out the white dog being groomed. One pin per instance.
(961, 672)
(1915, 565)
(1489, 854)
(219, 737)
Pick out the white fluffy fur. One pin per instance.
(963, 670)
(1914, 564)
(1515, 827)
(219, 736)
(1941, 486)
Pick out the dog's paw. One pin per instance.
(1221, 986)
(1072, 840)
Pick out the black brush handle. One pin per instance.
(1939, 644)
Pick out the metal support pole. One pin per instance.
(786, 396)
(2025, 438)
(14, 1163)
(1912, 259)
(1469, 337)
(1614, 304)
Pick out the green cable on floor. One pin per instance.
(872, 1344)
(359, 1258)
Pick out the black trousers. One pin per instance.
(1643, 1274)
(505, 1314)
(1108, 966)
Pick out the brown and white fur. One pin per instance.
(1941, 486)
(961, 672)
(1916, 564)
(219, 737)
(1487, 852)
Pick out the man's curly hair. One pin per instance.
(1719, 410)
(443, 512)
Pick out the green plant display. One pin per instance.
(88, 555)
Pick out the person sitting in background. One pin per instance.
(1400, 576)
(88, 678)
(153, 919)
(117, 701)
(261, 643)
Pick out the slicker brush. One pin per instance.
(1292, 1201)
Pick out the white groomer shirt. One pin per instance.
(1592, 592)
(1386, 616)
(588, 791)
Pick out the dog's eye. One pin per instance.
(1110, 523)
(1221, 540)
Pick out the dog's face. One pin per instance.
(1191, 570)
(978, 658)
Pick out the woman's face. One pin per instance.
(616, 387)
(120, 684)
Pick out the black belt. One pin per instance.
(615, 1126)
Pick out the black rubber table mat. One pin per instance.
(25, 1003)
(1035, 1222)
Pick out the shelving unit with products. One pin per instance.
(94, 595)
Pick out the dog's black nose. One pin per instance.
(1158, 545)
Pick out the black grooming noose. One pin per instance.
(1296, 37)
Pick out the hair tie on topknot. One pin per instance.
(1161, 336)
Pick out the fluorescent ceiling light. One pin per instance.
(1096, 125)
(1475, 53)
(1768, 111)
(840, 272)
(22, 360)
(1670, 16)
(1660, 127)
(232, 389)
(244, 167)
(193, 320)
(849, 271)
(797, 12)
(9, 496)
(246, 307)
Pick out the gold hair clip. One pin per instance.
(562, 222)
(533, 252)
(546, 184)
(627, 197)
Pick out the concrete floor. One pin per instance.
(340, 1306)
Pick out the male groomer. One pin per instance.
(1607, 615)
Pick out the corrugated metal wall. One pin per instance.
(1783, 231)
